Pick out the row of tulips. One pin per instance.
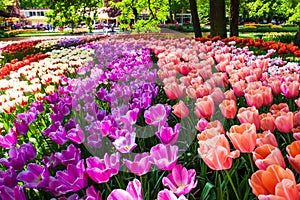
(259, 45)
(113, 124)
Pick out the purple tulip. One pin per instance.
(71, 124)
(156, 115)
(50, 161)
(9, 140)
(72, 197)
(168, 135)
(91, 194)
(181, 181)
(133, 192)
(18, 157)
(71, 180)
(169, 195)
(7, 193)
(69, 156)
(8, 178)
(125, 144)
(76, 135)
(35, 176)
(37, 106)
(140, 165)
(130, 118)
(164, 156)
(52, 98)
(56, 132)
(100, 170)
(94, 140)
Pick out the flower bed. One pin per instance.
(151, 118)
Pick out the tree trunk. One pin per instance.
(195, 18)
(171, 14)
(135, 13)
(297, 37)
(217, 18)
(234, 17)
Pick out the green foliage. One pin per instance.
(296, 15)
(279, 37)
(157, 11)
(4, 4)
(203, 11)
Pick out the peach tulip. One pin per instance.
(243, 137)
(204, 107)
(180, 109)
(294, 155)
(296, 133)
(254, 98)
(174, 90)
(274, 183)
(267, 95)
(239, 87)
(284, 121)
(228, 108)
(215, 152)
(296, 118)
(267, 155)
(275, 108)
(250, 115)
(229, 94)
(267, 122)
(217, 95)
(266, 138)
(275, 86)
(216, 124)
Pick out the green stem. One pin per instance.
(118, 181)
(232, 185)
(289, 138)
(108, 187)
(251, 162)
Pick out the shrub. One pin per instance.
(279, 37)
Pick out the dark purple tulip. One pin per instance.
(7, 193)
(71, 180)
(18, 157)
(101, 114)
(59, 117)
(8, 178)
(21, 127)
(76, 135)
(71, 155)
(52, 98)
(35, 176)
(37, 106)
(71, 124)
(102, 93)
(50, 161)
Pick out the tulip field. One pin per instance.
(149, 117)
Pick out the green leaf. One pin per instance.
(206, 190)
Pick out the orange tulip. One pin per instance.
(284, 121)
(243, 137)
(267, 155)
(267, 122)
(228, 108)
(266, 138)
(294, 155)
(274, 183)
(215, 152)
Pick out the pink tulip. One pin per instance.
(217, 95)
(133, 192)
(290, 89)
(229, 95)
(181, 181)
(254, 98)
(201, 125)
(228, 108)
(275, 108)
(164, 156)
(140, 165)
(297, 101)
(239, 87)
(180, 109)
(169, 195)
(156, 115)
(168, 135)
(217, 125)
